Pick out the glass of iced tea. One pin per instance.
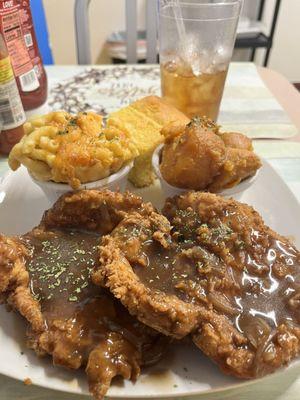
(196, 40)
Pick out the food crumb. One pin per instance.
(291, 238)
(175, 386)
(27, 381)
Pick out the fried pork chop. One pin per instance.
(212, 269)
(45, 275)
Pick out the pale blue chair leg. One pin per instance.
(131, 31)
(82, 33)
(83, 36)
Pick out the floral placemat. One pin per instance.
(104, 90)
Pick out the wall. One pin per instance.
(285, 54)
(107, 16)
(59, 14)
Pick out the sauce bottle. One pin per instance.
(16, 26)
(12, 116)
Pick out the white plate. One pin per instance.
(184, 371)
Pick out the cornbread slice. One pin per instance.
(157, 109)
(142, 122)
(135, 124)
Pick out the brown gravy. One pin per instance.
(256, 287)
(166, 268)
(60, 265)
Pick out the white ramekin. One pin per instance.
(236, 192)
(168, 189)
(114, 182)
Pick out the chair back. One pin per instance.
(82, 32)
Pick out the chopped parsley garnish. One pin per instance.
(240, 244)
(73, 122)
(203, 122)
(62, 264)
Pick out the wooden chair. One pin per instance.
(83, 36)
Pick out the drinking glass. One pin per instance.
(196, 41)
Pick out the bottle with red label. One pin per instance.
(16, 26)
(12, 115)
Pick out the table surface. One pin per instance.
(285, 93)
(287, 388)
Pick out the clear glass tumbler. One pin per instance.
(195, 49)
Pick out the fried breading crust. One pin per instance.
(116, 355)
(166, 314)
(258, 350)
(14, 280)
(98, 211)
(228, 245)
